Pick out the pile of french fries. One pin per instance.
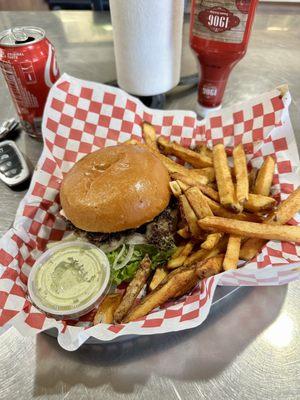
(226, 210)
(227, 215)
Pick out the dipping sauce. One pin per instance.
(69, 279)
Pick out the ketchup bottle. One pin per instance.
(219, 35)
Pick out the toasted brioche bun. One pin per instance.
(114, 189)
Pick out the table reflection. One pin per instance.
(281, 332)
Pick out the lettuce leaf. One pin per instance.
(126, 273)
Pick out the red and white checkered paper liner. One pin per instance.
(81, 117)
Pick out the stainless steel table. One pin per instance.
(249, 347)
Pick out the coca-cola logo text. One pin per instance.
(218, 19)
(51, 73)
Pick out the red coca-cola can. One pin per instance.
(28, 63)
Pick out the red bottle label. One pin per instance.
(218, 19)
(223, 20)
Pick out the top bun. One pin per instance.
(115, 188)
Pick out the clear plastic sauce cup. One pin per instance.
(69, 279)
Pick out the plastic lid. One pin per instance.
(69, 279)
(205, 111)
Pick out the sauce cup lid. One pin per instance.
(74, 271)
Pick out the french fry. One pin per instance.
(159, 275)
(187, 180)
(264, 178)
(210, 192)
(220, 211)
(198, 202)
(241, 174)
(252, 177)
(175, 188)
(259, 203)
(187, 249)
(220, 247)
(196, 256)
(131, 141)
(210, 267)
(107, 308)
(223, 176)
(195, 159)
(176, 284)
(202, 149)
(211, 241)
(251, 247)
(177, 251)
(286, 210)
(200, 176)
(184, 232)
(133, 289)
(204, 269)
(183, 186)
(255, 202)
(149, 136)
(232, 253)
(176, 262)
(251, 229)
(203, 254)
(169, 288)
(209, 172)
(190, 216)
(173, 167)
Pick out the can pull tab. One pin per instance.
(20, 36)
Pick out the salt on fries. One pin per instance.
(226, 215)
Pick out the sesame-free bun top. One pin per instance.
(115, 188)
